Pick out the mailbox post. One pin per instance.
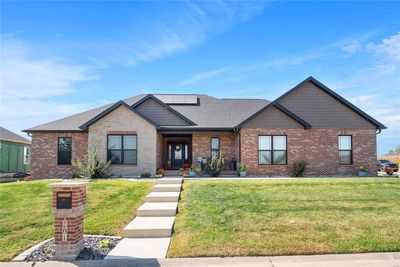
(69, 200)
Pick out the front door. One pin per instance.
(178, 154)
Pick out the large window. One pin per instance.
(272, 150)
(214, 148)
(64, 150)
(122, 149)
(345, 149)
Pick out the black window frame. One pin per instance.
(211, 146)
(59, 158)
(272, 150)
(122, 150)
(347, 150)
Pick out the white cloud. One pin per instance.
(29, 86)
(182, 29)
(206, 75)
(352, 48)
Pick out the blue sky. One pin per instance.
(60, 58)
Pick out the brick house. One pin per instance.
(140, 134)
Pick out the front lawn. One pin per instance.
(282, 217)
(26, 217)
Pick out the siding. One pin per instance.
(321, 110)
(124, 120)
(273, 118)
(160, 114)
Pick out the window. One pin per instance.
(64, 150)
(122, 149)
(345, 149)
(214, 148)
(27, 158)
(272, 150)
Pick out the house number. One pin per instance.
(64, 230)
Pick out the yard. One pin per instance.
(282, 217)
(26, 218)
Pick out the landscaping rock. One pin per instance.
(92, 250)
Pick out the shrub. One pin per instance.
(299, 168)
(91, 167)
(216, 166)
(145, 175)
(242, 167)
(160, 171)
(105, 243)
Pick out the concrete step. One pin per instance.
(133, 248)
(162, 197)
(150, 227)
(170, 181)
(157, 209)
(167, 188)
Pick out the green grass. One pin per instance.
(26, 217)
(283, 217)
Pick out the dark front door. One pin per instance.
(178, 154)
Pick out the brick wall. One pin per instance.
(201, 146)
(44, 154)
(319, 147)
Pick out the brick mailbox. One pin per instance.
(69, 200)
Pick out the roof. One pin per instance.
(210, 112)
(200, 111)
(7, 135)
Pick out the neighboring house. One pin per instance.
(15, 152)
(139, 134)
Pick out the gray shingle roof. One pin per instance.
(212, 112)
(7, 135)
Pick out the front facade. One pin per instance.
(140, 134)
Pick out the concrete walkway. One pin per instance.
(390, 259)
(149, 234)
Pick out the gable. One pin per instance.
(272, 118)
(119, 119)
(160, 114)
(322, 110)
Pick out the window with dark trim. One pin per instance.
(272, 150)
(345, 149)
(64, 150)
(122, 149)
(214, 148)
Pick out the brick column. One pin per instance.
(69, 200)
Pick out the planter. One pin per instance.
(362, 174)
(159, 176)
(242, 174)
(192, 174)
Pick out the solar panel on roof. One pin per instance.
(178, 99)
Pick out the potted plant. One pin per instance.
(362, 172)
(160, 173)
(242, 169)
(195, 170)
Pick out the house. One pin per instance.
(14, 152)
(140, 134)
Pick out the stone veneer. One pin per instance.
(45, 152)
(124, 121)
(201, 146)
(319, 147)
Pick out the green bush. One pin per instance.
(91, 167)
(216, 166)
(145, 175)
(299, 168)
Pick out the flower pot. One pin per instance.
(362, 173)
(242, 174)
(192, 174)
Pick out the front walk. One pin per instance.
(149, 234)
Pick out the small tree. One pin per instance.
(91, 167)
